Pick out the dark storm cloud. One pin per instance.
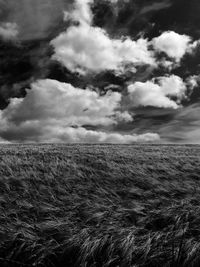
(20, 65)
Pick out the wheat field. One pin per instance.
(99, 205)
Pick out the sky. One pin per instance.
(109, 71)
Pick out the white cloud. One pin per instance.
(61, 102)
(173, 44)
(172, 86)
(57, 112)
(52, 131)
(123, 116)
(39, 131)
(157, 94)
(193, 81)
(84, 48)
(8, 31)
(3, 141)
(81, 135)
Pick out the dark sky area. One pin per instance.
(100, 71)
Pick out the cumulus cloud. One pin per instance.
(84, 48)
(56, 101)
(123, 116)
(8, 31)
(192, 82)
(82, 135)
(173, 44)
(157, 94)
(57, 112)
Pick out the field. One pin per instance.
(99, 205)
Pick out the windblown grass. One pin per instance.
(99, 205)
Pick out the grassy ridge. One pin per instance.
(93, 206)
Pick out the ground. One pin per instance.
(99, 205)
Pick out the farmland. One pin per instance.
(99, 205)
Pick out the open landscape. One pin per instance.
(99, 133)
(100, 205)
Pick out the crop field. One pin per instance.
(99, 205)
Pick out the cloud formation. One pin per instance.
(53, 111)
(82, 135)
(173, 44)
(89, 49)
(84, 48)
(57, 112)
(63, 103)
(35, 18)
(157, 94)
(8, 31)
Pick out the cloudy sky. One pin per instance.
(109, 71)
